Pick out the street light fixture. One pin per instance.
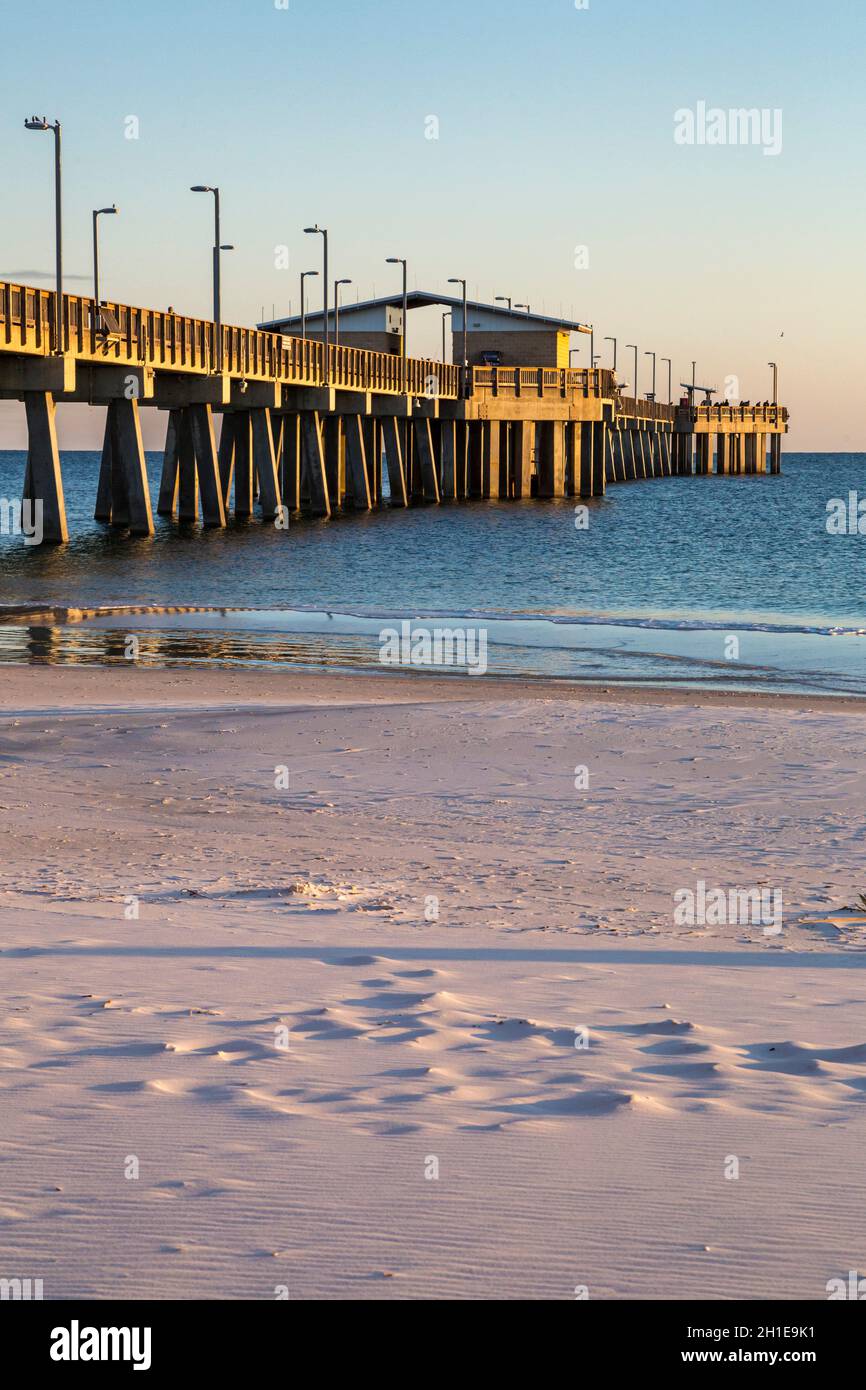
(670, 376)
(305, 274)
(572, 352)
(337, 284)
(321, 231)
(457, 281)
(448, 314)
(634, 347)
(775, 382)
(398, 260)
(41, 123)
(97, 213)
(218, 248)
(522, 306)
(504, 299)
(653, 356)
(612, 340)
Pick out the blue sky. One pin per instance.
(555, 131)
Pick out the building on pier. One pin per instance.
(497, 335)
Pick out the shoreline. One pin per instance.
(198, 686)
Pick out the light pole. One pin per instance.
(40, 123)
(447, 315)
(571, 353)
(694, 364)
(337, 284)
(398, 260)
(458, 281)
(670, 379)
(504, 299)
(97, 213)
(633, 346)
(218, 248)
(523, 306)
(653, 356)
(612, 340)
(305, 275)
(775, 382)
(205, 188)
(320, 231)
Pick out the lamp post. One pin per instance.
(204, 188)
(775, 382)
(694, 364)
(97, 213)
(653, 356)
(523, 306)
(320, 231)
(447, 315)
(504, 299)
(572, 352)
(305, 275)
(337, 284)
(457, 281)
(41, 123)
(218, 249)
(670, 378)
(398, 260)
(634, 347)
(612, 340)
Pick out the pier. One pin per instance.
(311, 428)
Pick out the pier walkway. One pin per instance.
(305, 431)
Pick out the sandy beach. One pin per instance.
(341, 987)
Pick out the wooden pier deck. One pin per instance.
(310, 431)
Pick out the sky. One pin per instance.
(538, 148)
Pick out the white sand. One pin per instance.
(412, 1039)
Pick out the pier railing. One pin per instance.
(599, 382)
(645, 410)
(763, 413)
(124, 335)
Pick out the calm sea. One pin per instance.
(727, 582)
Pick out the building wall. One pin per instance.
(533, 348)
(372, 342)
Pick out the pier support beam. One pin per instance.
(207, 465)
(522, 445)
(357, 469)
(775, 453)
(167, 501)
(425, 459)
(448, 460)
(123, 494)
(394, 459)
(265, 459)
(314, 479)
(290, 461)
(335, 463)
(551, 458)
(42, 478)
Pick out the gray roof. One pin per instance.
(423, 299)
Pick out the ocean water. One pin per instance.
(726, 582)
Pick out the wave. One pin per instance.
(300, 615)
